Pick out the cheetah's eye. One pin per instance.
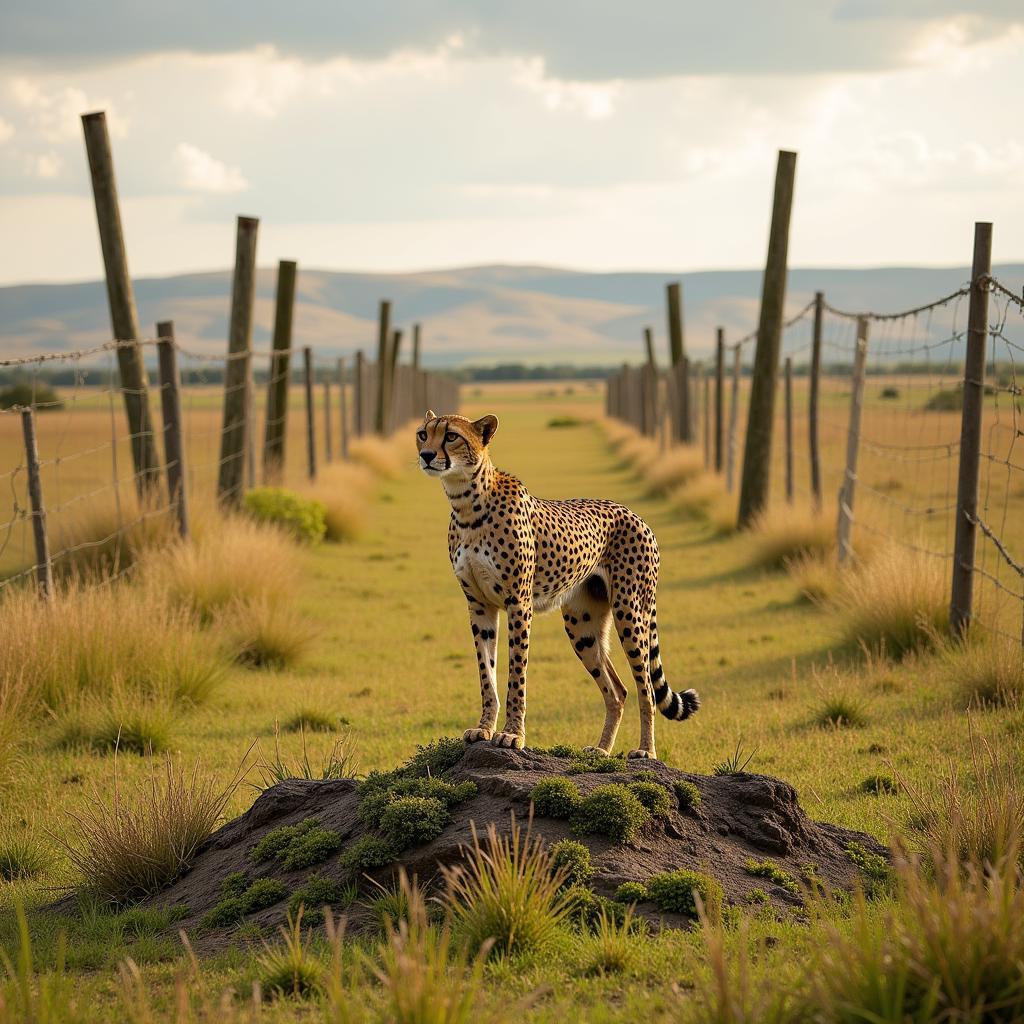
(451, 437)
(421, 435)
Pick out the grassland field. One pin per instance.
(393, 658)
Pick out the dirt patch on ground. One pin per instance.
(739, 818)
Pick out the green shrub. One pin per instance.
(313, 720)
(875, 868)
(304, 518)
(412, 820)
(436, 758)
(556, 798)
(688, 794)
(757, 897)
(631, 892)
(673, 892)
(275, 843)
(263, 893)
(239, 899)
(586, 908)
(600, 763)
(645, 775)
(841, 711)
(880, 784)
(297, 846)
(28, 393)
(951, 400)
(227, 911)
(234, 884)
(380, 789)
(367, 853)
(574, 859)
(613, 811)
(653, 796)
(564, 421)
(561, 750)
(317, 893)
(770, 870)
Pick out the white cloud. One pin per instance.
(44, 165)
(55, 113)
(202, 172)
(6, 130)
(594, 100)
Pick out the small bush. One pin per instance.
(380, 789)
(312, 720)
(613, 811)
(436, 757)
(556, 798)
(564, 421)
(227, 911)
(413, 820)
(297, 846)
(290, 968)
(133, 843)
(20, 857)
(573, 859)
(317, 893)
(601, 763)
(841, 711)
(391, 905)
(653, 796)
(343, 488)
(631, 892)
(276, 842)
(688, 794)
(673, 892)
(263, 893)
(561, 750)
(302, 518)
(507, 893)
(879, 784)
(770, 870)
(365, 854)
(703, 497)
(951, 400)
(31, 394)
(896, 603)
(890, 392)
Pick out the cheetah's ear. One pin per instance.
(487, 427)
(431, 415)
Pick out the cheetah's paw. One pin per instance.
(477, 735)
(641, 753)
(597, 750)
(508, 739)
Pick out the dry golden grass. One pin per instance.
(138, 840)
(673, 468)
(96, 643)
(705, 497)
(895, 603)
(345, 491)
(383, 457)
(617, 432)
(786, 532)
(16, 705)
(987, 669)
(228, 560)
(264, 633)
(816, 576)
(640, 452)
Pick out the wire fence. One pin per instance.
(96, 508)
(902, 486)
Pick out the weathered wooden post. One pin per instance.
(849, 485)
(650, 411)
(734, 411)
(719, 396)
(328, 428)
(343, 409)
(276, 430)
(685, 401)
(674, 305)
(307, 380)
(788, 382)
(813, 400)
(962, 600)
(44, 567)
(383, 373)
(758, 448)
(359, 396)
(234, 434)
(395, 402)
(707, 416)
(124, 319)
(170, 401)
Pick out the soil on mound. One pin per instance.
(739, 818)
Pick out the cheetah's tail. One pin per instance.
(676, 706)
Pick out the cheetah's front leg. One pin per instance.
(483, 620)
(520, 615)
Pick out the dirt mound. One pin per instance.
(738, 819)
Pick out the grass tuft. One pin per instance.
(290, 967)
(673, 468)
(611, 947)
(265, 634)
(344, 490)
(816, 576)
(784, 533)
(21, 857)
(987, 669)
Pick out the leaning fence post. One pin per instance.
(236, 426)
(124, 318)
(734, 409)
(343, 408)
(719, 396)
(170, 403)
(812, 406)
(757, 450)
(848, 488)
(276, 430)
(962, 599)
(307, 379)
(383, 376)
(44, 567)
(788, 383)
(359, 397)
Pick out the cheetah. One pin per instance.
(595, 560)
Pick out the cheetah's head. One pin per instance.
(452, 445)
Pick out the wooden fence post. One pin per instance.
(359, 396)
(674, 305)
(813, 400)
(383, 375)
(394, 376)
(685, 401)
(170, 402)
(235, 434)
(719, 396)
(307, 379)
(788, 383)
(650, 386)
(848, 488)
(44, 567)
(757, 452)
(124, 318)
(706, 377)
(962, 599)
(734, 411)
(328, 429)
(276, 430)
(343, 408)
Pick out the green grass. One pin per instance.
(736, 633)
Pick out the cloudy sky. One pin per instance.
(414, 134)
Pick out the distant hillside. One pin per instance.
(475, 314)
